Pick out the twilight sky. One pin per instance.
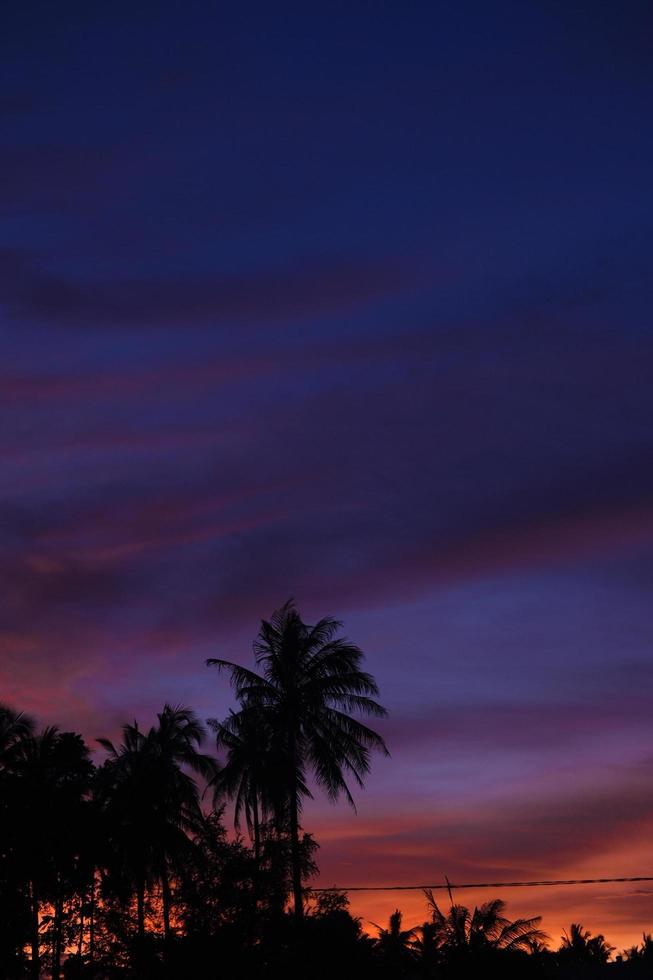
(349, 302)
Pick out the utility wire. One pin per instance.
(481, 884)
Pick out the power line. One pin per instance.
(482, 884)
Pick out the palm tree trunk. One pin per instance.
(278, 866)
(34, 930)
(257, 853)
(257, 835)
(295, 857)
(91, 922)
(56, 936)
(165, 900)
(80, 941)
(140, 909)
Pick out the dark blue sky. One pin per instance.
(350, 302)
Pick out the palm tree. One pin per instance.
(580, 946)
(179, 735)
(152, 803)
(52, 773)
(643, 952)
(177, 739)
(310, 681)
(28, 758)
(485, 928)
(246, 774)
(16, 912)
(395, 944)
(426, 946)
(14, 726)
(124, 799)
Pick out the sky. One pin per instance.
(348, 302)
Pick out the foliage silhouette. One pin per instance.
(395, 946)
(14, 727)
(152, 804)
(485, 928)
(580, 947)
(118, 873)
(310, 682)
(47, 773)
(247, 775)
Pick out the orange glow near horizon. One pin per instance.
(607, 909)
(374, 852)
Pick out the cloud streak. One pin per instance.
(312, 289)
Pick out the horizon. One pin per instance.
(351, 306)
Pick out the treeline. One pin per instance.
(117, 869)
(124, 869)
(457, 942)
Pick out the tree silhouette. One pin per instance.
(14, 900)
(579, 947)
(641, 955)
(485, 928)
(310, 681)
(176, 742)
(51, 775)
(395, 945)
(152, 803)
(124, 792)
(247, 774)
(86, 854)
(426, 946)
(14, 726)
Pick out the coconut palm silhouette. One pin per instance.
(579, 946)
(152, 803)
(483, 928)
(247, 775)
(311, 684)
